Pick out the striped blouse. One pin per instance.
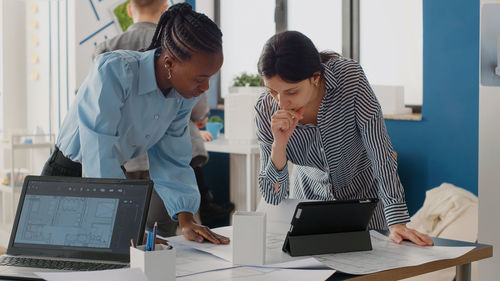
(348, 155)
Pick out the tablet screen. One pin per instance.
(332, 216)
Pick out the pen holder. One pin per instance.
(157, 265)
(249, 238)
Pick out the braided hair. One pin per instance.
(182, 31)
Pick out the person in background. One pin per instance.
(145, 14)
(209, 209)
(135, 102)
(321, 114)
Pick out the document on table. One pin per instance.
(278, 222)
(387, 255)
(274, 255)
(260, 274)
(191, 261)
(123, 274)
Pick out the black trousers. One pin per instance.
(60, 165)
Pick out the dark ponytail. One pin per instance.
(292, 56)
(182, 31)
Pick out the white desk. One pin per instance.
(221, 144)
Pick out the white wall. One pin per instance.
(488, 170)
(1, 77)
(206, 7)
(13, 92)
(489, 187)
(13, 60)
(90, 29)
(68, 32)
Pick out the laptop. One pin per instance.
(66, 223)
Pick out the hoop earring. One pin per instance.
(169, 73)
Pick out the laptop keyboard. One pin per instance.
(57, 264)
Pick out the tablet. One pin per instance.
(318, 217)
(327, 217)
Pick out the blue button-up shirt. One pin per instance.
(120, 113)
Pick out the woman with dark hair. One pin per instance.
(321, 114)
(136, 102)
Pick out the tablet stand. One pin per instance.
(329, 243)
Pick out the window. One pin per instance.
(246, 25)
(320, 20)
(391, 45)
(384, 35)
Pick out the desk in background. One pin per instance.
(250, 151)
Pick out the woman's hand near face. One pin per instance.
(283, 123)
(196, 232)
(399, 232)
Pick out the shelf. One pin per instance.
(35, 141)
(9, 189)
(9, 145)
(32, 145)
(408, 117)
(5, 230)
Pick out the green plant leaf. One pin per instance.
(215, 118)
(122, 16)
(244, 79)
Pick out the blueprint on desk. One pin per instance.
(385, 255)
(275, 257)
(278, 222)
(388, 255)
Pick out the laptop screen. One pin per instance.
(80, 217)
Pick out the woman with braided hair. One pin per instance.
(136, 102)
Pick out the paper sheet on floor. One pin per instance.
(387, 255)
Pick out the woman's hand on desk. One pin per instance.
(196, 232)
(400, 232)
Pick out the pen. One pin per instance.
(148, 241)
(155, 229)
(132, 242)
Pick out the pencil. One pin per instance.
(155, 229)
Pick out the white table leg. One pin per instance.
(249, 181)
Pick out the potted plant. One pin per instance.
(247, 83)
(214, 125)
(239, 126)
